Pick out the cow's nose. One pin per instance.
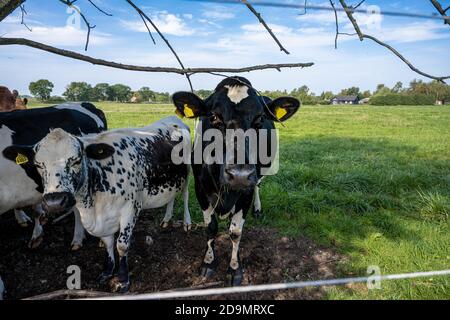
(240, 176)
(57, 202)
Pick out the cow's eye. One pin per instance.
(257, 123)
(76, 162)
(38, 165)
(215, 120)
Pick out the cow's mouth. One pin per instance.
(58, 202)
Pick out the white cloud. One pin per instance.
(218, 13)
(59, 36)
(166, 22)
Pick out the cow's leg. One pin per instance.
(235, 268)
(127, 223)
(168, 215)
(2, 289)
(257, 208)
(78, 233)
(209, 264)
(38, 234)
(108, 268)
(186, 215)
(22, 218)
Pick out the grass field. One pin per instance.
(371, 182)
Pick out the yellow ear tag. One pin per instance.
(21, 159)
(188, 112)
(280, 113)
(178, 113)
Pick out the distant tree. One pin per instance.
(274, 94)
(398, 87)
(327, 95)
(145, 94)
(304, 95)
(439, 90)
(78, 91)
(202, 93)
(382, 90)
(121, 93)
(366, 94)
(100, 92)
(353, 91)
(42, 89)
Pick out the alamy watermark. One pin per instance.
(232, 147)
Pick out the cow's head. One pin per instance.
(61, 160)
(20, 104)
(236, 105)
(7, 99)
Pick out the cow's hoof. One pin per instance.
(235, 277)
(257, 214)
(105, 277)
(120, 286)
(35, 243)
(207, 271)
(165, 224)
(187, 227)
(76, 247)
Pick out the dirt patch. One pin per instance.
(160, 260)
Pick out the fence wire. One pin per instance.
(273, 286)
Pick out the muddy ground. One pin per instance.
(171, 261)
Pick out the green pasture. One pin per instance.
(372, 183)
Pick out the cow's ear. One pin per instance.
(99, 151)
(19, 154)
(282, 108)
(188, 105)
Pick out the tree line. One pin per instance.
(417, 92)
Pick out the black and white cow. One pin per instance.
(228, 188)
(20, 185)
(110, 178)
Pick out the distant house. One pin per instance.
(364, 101)
(345, 100)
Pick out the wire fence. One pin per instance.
(274, 286)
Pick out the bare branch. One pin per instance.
(337, 24)
(261, 20)
(441, 10)
(304, 6)
(148, 28)
(88, 25)
(143, 15)
(359, 4)
(8, 6)
(362, 36)
(99, 9)
(24, 12)
(182, 71)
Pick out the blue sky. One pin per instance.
(210, 34)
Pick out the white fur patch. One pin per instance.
(237, 93)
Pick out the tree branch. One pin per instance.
(362, 36)
(8, 6)
(99, 9)
(143, 15)
(261, 20)
(24, 12)
(116, 65)
(88, 25)
(441, 10)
